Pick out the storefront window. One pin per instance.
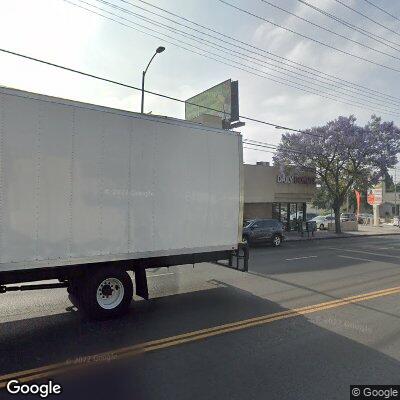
(276, 211)
(292, 211)
(284, 213)
(294, 216)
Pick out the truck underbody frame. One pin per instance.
(66, 273)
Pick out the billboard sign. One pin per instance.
(221, 100)
(374, 196)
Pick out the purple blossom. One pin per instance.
(343, 155)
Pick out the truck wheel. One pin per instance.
(106, 294)
(74, 299)
(73, 293)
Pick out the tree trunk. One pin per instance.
(336, 209)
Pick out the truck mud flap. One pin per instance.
(141, 283)
(238, 259)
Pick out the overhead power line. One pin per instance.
(381, 9)
(255, 143)
(149, 91)
(315, 82)
(270, 64)
(264, 146)
(371, 35)
(337, 82)
(267, 149)
(236, 64)
(331, 31)
(267, 54)
(264, 151)
(367, 17)
(310, 38)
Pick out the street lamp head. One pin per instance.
(160, 49)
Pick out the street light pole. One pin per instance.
(159, 50)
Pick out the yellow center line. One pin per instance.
(53, 369)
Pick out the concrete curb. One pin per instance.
(345, 236)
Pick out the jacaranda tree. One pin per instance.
(343, 155)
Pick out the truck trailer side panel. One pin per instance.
(81, 183)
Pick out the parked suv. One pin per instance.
(263, 230)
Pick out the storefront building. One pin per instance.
(391, 204)
(270, 192)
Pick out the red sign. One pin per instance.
(358, 197)
(374, 197)
(371, 199)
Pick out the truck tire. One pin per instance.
(106, 293)
(74, 299)
(73, 293)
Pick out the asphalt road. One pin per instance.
(281, 331)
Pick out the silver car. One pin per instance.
(322, 221)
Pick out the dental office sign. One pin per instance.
(294, 179)
(374, 196)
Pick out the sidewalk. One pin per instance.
(363, 230)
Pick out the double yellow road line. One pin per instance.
(56, 369)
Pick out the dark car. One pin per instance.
(263, 231)
(363, 218)
(310, 216)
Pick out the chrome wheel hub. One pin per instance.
(110, 293)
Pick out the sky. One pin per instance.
(62, 33)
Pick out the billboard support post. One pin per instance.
(374, 198)
(376, 214)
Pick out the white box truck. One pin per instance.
(88, 193)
